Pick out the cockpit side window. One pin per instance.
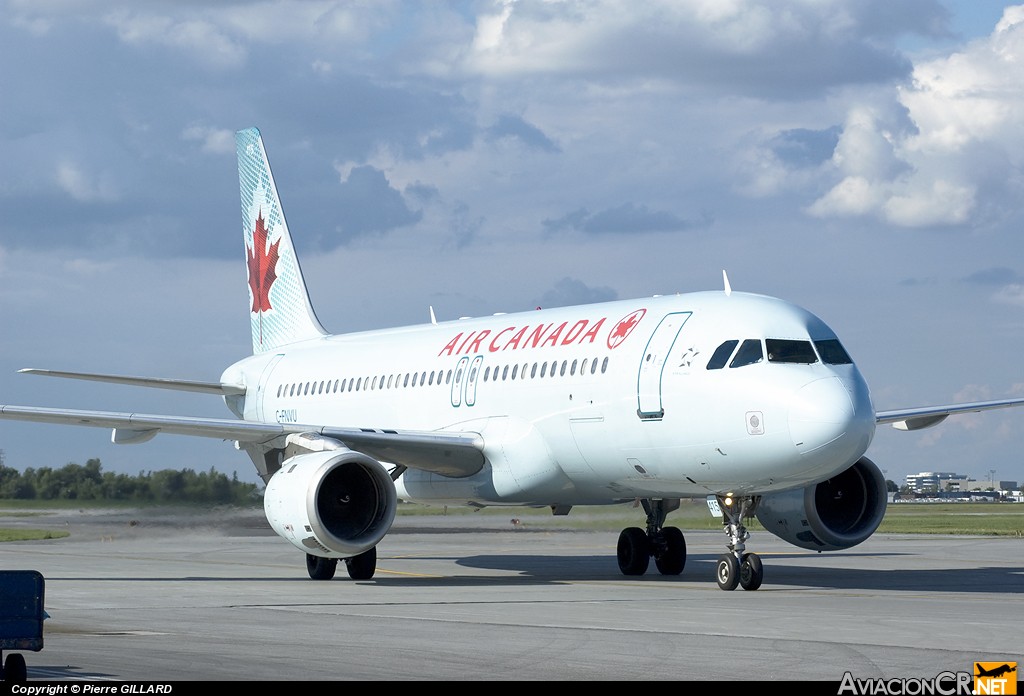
(788, 351)
(832, 352)
(749, 353)
(721, 355)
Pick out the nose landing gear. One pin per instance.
(737, 567)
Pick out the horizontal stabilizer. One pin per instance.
(919, 418)
(217, 388)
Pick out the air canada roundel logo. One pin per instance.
(620, 332)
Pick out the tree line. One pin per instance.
(90, 482)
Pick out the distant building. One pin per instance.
(935, 481)
(986, 484)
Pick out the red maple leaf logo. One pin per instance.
(626, 324)
(262, 266)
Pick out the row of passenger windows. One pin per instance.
(413, 379)
(545, 369)
(779, 351)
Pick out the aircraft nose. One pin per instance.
(826, 412)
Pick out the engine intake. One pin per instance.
(832, 515)
(334, 504)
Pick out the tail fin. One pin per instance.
(279, 303)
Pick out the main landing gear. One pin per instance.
(361, 567)
(738, 567)
(665, 544)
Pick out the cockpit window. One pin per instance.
(788, 351)
(832, 352)
(721, 355)
(749, 353)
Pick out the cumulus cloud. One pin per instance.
(965, 113)
(212, 140)
(83, 187)
(200, 39)
(628, 218)
(745, 46)
(571, 291)
(515, 128)
(370, 204)
(997, 275)
(1011, 294)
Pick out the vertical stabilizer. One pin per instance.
(279, 305)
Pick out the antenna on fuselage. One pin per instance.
(725, 280)
(433, 319)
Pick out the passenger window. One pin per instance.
(515, 369)
(604, 365)
(721, 355)
(593, 367)
(533, 371)
(565, 365)
(572, 368)
(487, 373)
(832, 352)
(749, 353)
(504, 373)
(543, 369)
(788, 351)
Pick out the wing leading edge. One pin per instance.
(925, 417)
(450, 454)
(153, 382)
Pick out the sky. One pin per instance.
(860, 159)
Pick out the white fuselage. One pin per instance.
(590, 404)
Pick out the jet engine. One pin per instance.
(333, 504)
(832, 515)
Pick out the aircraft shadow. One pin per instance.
(1001, 580)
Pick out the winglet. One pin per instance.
(725, 280)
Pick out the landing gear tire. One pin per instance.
(363, 566)
(14, 671)
(673, 559)
(320, 568)
(751, 572)
(727, 572)
(633, 551)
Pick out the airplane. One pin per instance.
(996, 671)
(745, 401)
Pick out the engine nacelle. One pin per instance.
(832, 515)
(334, 504)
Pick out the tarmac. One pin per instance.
(214, 596)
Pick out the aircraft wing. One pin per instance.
(448, 453)
(159, 383)
(918, 418)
